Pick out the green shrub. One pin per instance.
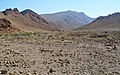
(1, 35)
(29, 33)
(62, 37)
(25, 34)
(6, 35)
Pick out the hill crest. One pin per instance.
(104, 23)
(68, 19)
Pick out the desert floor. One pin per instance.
(71, 53)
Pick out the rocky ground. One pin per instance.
(60, 54)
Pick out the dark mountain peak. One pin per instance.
(6, 11)
(117, 13)
(33, 16)
(10, 11)
(110, 15)
(28, 11)
(114, 14)
(15, 10)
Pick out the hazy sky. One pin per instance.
(92, 8)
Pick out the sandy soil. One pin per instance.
(60, 54)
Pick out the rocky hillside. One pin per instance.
(38, 19)
(68, 19)
(30, 22)
(2, 15)
(5, 26)
(104, 23)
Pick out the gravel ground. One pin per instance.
(60, 54)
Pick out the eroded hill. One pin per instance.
(104, 23)
(33, 23)
(6, 27)
(68, 19)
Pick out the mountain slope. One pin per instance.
(104, 23)
(2, 15)
(6, 27)
(38, 19)
(68, 19)
(29, 24)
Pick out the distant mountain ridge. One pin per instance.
(68, 19)
(29, 21)
(104, 23)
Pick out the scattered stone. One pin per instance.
(52, 70)
(3, 72)
(84, 56)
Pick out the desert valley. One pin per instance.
(63, 43)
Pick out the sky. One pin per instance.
(92, 8)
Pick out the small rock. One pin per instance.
(52, 70)
(10, 73)
(3, 72)
(28, 74)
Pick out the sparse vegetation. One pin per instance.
(28, 33)
(62, 37)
